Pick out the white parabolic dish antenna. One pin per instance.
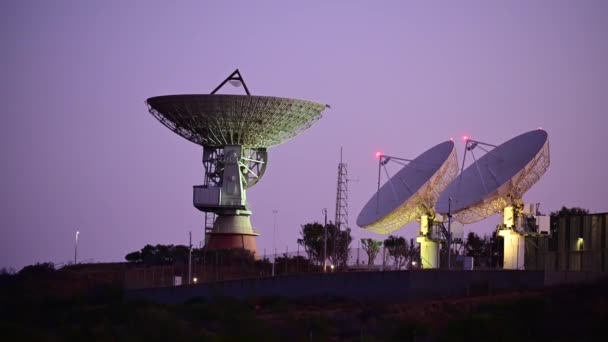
(411, 192)
(498, 179)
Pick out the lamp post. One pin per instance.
(190, 259)
(274, 238)
(76, 248)
(449, 233)
(325, 241)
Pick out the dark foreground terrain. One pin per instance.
(62, 305)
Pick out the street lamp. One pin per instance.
(325, 241)
(190, 259)
(450, 231)
(274, 238)
(76, 248)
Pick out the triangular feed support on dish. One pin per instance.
(235, 79)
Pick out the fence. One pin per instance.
(217, 266)
(375, 286)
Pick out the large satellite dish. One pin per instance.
(498, 179)
(246, 120)
(235, 132)
(411, 192)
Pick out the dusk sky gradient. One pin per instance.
(79, 150)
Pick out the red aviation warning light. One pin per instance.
(378, 154)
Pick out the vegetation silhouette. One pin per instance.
(337, 246)
(36, 308)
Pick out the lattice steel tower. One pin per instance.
(342, 196)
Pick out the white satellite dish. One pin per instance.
(411, 192)
(411, 195)
(498, 179)
(496, 183)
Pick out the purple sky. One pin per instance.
(80, 151)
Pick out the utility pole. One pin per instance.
(190, 260)
(379, 156)
(76, 248)
(325, 241)
(449, 233)
(274, 237)
(358, 248)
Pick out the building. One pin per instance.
(576, 243)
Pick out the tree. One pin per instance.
(398, 249)
(180, 254)
(414, 255)
(563, 212)
(338, 242)
(474, 246)
(494, 249)
(486, 251)
(150, 255)
(159, 255)
(574, 211)
(293, 264)
(446, 253)
(38, 269)
(372, 248)
(312, 235)
(133, 257)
